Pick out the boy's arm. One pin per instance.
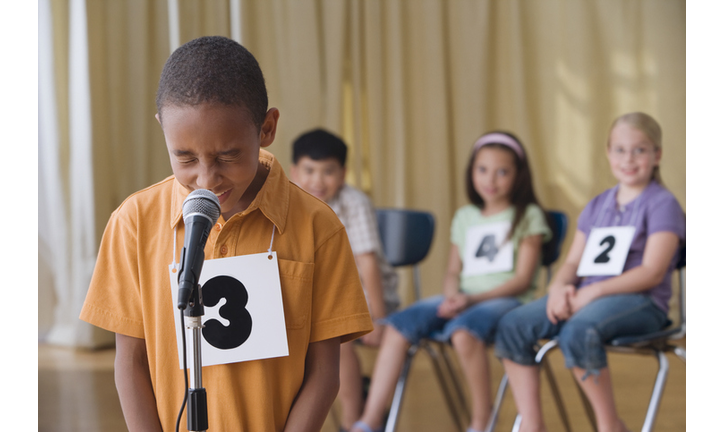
(319, 388)
(372, 281)
(133, 382)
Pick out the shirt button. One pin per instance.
(224, 250)
(218, 227)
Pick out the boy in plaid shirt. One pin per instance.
(319, 168)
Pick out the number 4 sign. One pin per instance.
(606, 251)
(487, 250)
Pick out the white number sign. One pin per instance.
(243, 314)
(487, 250)
(606, 251)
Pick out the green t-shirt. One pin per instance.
(533, 223)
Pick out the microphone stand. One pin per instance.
(197, 412)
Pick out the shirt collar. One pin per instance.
(272, 199)
(613, 206)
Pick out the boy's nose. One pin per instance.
(208, 178)
(316, 179)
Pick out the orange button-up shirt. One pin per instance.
(130, 293)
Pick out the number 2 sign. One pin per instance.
(606, 251)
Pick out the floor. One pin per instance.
(76, 393)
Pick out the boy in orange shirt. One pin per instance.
(212, 107)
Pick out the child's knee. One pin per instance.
(509, 326)
(394, 337)
(465, 343)
(578, 336)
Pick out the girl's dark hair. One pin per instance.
(213, 69)
(522, 193)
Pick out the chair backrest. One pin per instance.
(681, 268)
(406, 235)
(558, 222)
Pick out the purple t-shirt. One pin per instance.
(654, 210)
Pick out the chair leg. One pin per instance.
(399, 391)
(556, 394)
(657, 392)
(539, 358)
(444, 385)
(453, 377)
(516, 424)
(498, 401)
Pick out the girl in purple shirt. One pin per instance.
(586, 312)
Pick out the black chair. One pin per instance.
(657, 344)
(406, 237)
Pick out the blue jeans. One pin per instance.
(420, 319)
(582, 337)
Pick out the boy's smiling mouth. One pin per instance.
(223, 195)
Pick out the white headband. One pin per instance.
(499, 138)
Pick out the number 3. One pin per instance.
(603, 257)
(239, 328)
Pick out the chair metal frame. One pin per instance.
(656, 344)
(406, 236)
(443, 366)
(406, 240)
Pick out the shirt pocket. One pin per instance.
(296, 280)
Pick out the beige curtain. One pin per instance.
(410, 85)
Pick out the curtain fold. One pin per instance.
(410, 85)
(66, 210)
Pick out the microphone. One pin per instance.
(201, 209)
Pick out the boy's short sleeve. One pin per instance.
(113, 300)
(339, 307)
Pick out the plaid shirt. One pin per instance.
(356, 212)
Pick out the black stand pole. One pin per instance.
(197, 413)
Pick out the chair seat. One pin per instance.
(645, 339)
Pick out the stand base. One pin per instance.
(196, 420)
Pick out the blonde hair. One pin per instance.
(649, 127)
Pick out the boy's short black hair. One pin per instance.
(213, 69)
(319, 144)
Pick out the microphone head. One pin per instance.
(203, 202)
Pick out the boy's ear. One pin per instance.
(269, 127)
(293, 172)
(158, 118)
